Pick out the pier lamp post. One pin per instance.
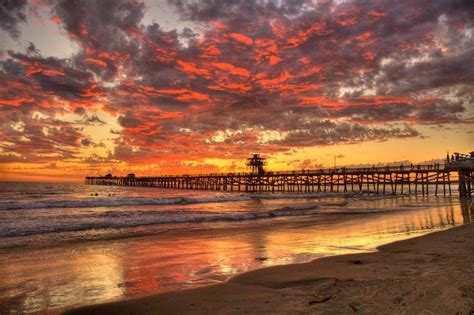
(335, 157)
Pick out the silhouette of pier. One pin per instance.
(403, 179)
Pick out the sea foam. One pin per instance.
(127, 219)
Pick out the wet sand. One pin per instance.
(431, 274)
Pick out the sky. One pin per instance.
(191, 86)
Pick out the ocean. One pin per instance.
(64, 245)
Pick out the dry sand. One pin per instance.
(431, 274)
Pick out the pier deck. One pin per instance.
(403, 179)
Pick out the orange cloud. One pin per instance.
(16, 102)
(192, 68)
(96, 62)
(241, 38)
(231, 68)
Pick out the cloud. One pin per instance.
(329, 133)
(12, 14)
(32, 138)
(250, 76)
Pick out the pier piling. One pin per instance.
(378, 180)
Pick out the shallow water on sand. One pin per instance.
(62, 246)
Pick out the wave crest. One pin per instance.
(127, 219)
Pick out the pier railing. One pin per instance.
(411, 179)
(336, 170)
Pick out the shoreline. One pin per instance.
(432, 273)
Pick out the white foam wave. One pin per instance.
(127, 219)
(116, 202)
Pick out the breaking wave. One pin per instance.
(127, 219)
(117, 202)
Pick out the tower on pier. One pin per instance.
(256, 164)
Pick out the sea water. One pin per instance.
(68, 244)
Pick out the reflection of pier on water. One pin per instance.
(467, 209)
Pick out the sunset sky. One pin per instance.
(190, 86)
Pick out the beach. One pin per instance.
(430, 274)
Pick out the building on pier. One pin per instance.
(256, 164)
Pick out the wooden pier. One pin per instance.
(412, 179)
